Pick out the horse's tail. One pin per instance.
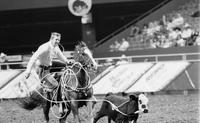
(32, 101)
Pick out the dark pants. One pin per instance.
(48, 81)
(44, 73)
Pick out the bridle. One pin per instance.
(82, 62)
(85, 60)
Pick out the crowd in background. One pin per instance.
(176, 29)
(3, 59)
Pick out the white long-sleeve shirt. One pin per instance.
(44, 55)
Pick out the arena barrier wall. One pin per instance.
(19, 87)
(140, 77)
(134, 77)
(188, 80)
(161, 75)
(7, 76)
(121, 77)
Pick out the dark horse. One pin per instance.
(74, 89)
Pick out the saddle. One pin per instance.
(49, 83)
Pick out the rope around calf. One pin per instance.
(66, 75)
(114, 107)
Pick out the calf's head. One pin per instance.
(138, 104)
(143, 103)
(132, 105)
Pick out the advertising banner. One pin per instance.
(20, 87)
(159, 76)
(121, 78)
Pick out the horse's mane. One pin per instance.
(78, 49)
(80, 45)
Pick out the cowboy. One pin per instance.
(44, 55)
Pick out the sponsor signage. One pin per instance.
(121, 78)
(20, 87)
(159, 77)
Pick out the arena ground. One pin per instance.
(163, 108)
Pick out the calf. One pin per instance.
(121, 109)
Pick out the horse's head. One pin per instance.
(83, 55)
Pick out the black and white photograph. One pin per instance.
(99, 61)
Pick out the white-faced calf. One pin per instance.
(122, 109)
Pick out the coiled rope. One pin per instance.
(65, 79)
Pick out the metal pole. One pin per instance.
(190, 80)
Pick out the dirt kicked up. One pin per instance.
(163, 108)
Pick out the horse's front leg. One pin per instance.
(74, 107)
(46, 106)
(90, 105)
(65, 113)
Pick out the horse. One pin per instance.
(74, 89)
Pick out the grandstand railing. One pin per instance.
(190, 57)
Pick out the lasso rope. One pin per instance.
(65, 78)
(114, 107)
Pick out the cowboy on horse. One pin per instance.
(44, 55)
(61, 87)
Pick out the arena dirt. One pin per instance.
(163, 108)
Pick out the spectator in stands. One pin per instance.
(153, 43)
(187, 33)
(115, 46)
(173, 34)
(197, 41)
(124, 45)
(162, 39)
(176, 27)
(112, 48)
(134, 31)
(178, 20)
(169, 25)
(195, 38)
(144, 29)
(180, 41)
(109, 61)
(44, 56)
(123, 60)
(144, 33)
(168, 43)
(3, 59)
(151, 29)
(164, 20)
